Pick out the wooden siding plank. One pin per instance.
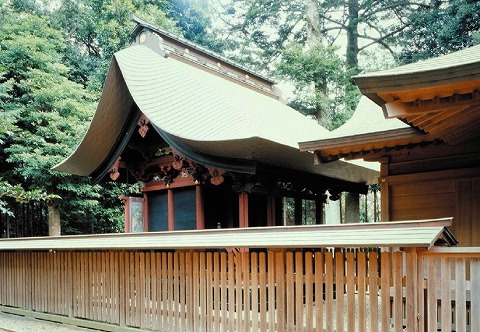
(216, 291)
(309, 287)
(280, 289)
(329, 290)
(246, 290)
(262, 271)
(231, 291)
(254, 266)
(339, 289)
(319, 273)
(299, 287)
(385, 284)
(475, 295)
(373, 289)
(460, 298)
(398, 313)
(362, 290)
(350, 287)
(223, 291)
(411, 290)
(238, 291)
(445, 295)
(431, 294)
(290, 292)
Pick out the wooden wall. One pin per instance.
(448, 193)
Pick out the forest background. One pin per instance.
(54, 57)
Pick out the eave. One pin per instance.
(355, 146)
(419, 234)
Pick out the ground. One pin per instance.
(14, 323)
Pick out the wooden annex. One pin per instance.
(427, 141)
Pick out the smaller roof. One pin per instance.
(365, 131)
(439, 99)
(418, 233)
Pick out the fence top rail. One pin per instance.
(421, 234)
(464, 252)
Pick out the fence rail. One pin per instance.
(339, 290)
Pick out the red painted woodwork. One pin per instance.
(171, 211)
(200, 213)
(243, 210)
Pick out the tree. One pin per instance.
(45, 115)
(440, 28)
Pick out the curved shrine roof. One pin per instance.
(200, 112)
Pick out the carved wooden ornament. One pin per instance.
(143, 125)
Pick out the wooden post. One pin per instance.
(170, 211)
(271, 210)
(54, 226)
(243, 210)
(200, 214)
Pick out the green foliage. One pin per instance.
(441, 28)
(323, 89)
(43, 117)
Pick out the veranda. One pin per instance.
(311, 279)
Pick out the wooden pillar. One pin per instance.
(54, 226)
(243, 210)
(199, 208)
(170, 211)
(271, 209)
(384, 190)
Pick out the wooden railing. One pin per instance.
(332, 290)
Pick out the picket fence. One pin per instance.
(322, 290)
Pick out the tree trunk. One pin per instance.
(54, 227)
(312, 19)
(352, 34)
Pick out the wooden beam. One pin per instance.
(199, 207)
(400, 109)
(170, 210)
(243, 210)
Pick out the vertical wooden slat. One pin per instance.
(209, 293)
(262, 271)
(309, 282)
(421, 291)
(411, 290)
(398, 291)
(254, 290)
(431, 295)
(350, 255)
(183, 285)
(189, 291)
(361, 273)
(153, 293)
(280, 290)
(195, 290)
(231, 291)
(460, 298)
(171, 289)
(445, 293)
(385, 284)
(176, 290)
(216, 291)
(373, 289)
(329, 290)
(159, 284)
(319, 290)
(246, 290)
(339, 286)
(290, 292)
(238, 291)
(148, 289)
(223, 292)
(475, 294)
(299, 284)
(272, 304)
(122, 294)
